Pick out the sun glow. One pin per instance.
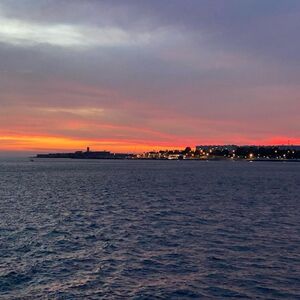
(64, 144)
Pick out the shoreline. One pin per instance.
(165, 159)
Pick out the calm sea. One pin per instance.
(149, 230)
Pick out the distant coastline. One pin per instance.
(87, 155)
(204, 152)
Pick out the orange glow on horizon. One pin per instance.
(49, 143)
(52, 143)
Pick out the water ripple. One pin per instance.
(149, 230)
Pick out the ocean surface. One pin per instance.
(111, 229)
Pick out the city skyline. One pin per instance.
(134, 76)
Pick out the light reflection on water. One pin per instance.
(149, 229)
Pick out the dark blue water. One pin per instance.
(149, 230)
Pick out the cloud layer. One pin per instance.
(134, 75)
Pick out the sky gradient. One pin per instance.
(142, 75)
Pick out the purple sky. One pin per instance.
(134, 75)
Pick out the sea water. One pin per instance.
(125, 229)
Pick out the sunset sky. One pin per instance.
(142, 75)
